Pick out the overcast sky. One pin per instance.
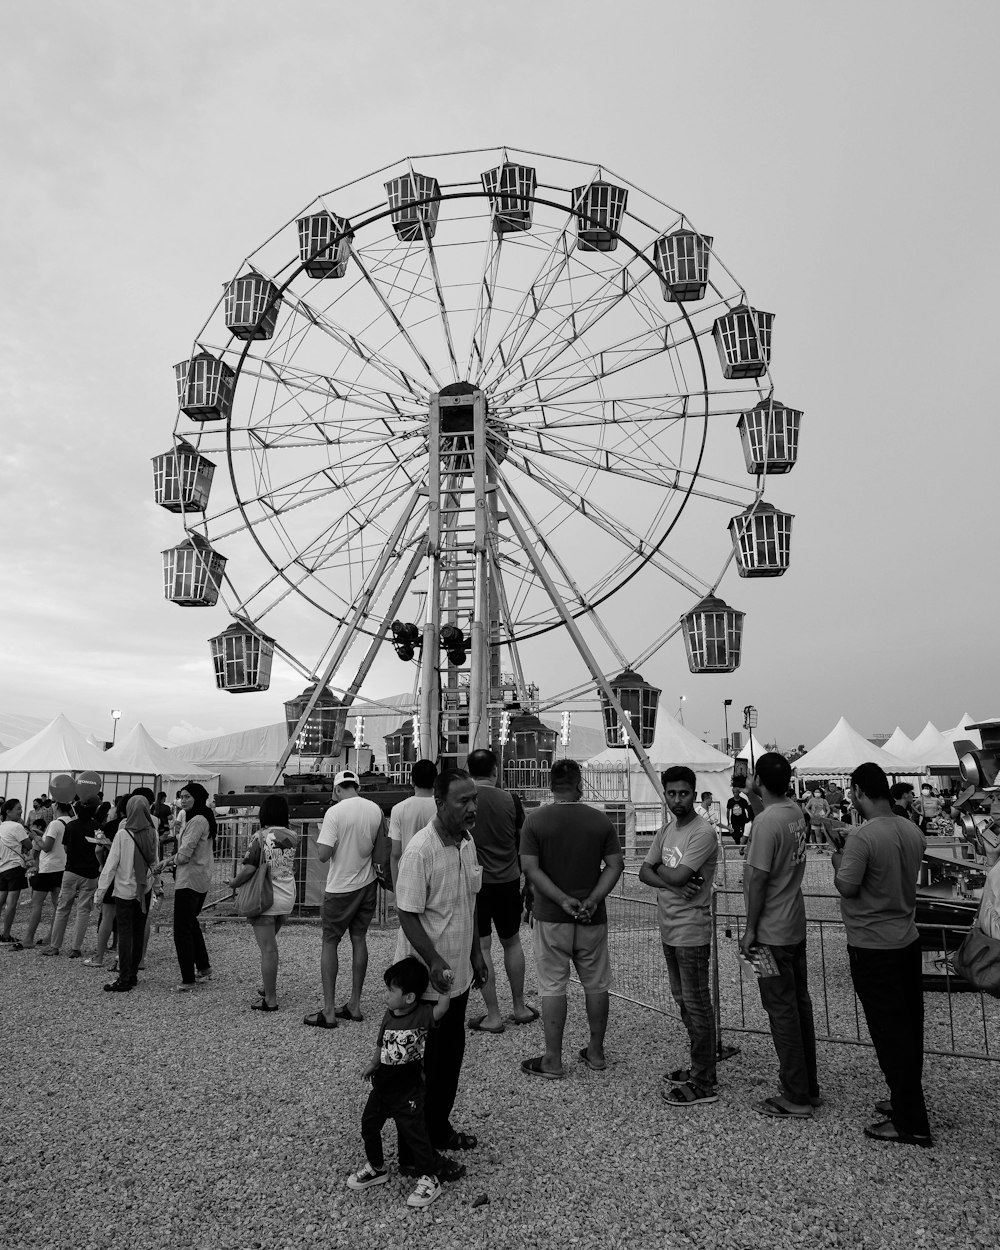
(842, 155)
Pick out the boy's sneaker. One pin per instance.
(426, 1191)
(367, 1176)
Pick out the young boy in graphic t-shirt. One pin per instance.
(396, 1072)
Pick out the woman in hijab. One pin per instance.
(193, 861)
(130, 867)
(278, 845)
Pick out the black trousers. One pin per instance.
(404, 1103)
(789, 1010)
(189, 941)
(131, 931)
(443, 1057)
(889, 986)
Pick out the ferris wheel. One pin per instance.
(494, 408)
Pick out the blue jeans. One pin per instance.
(789, 1008)
(688, 969)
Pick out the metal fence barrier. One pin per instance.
(958, 1021)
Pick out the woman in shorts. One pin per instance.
(15, 843)
(279, 846)
(51, 865)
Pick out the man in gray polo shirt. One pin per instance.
(876, 877)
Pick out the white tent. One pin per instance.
(27, 769)
(139, 752)
(962, 730)
(932, 749)
(899, 744)
(843, 749)
(758, 749)
(672, 744)
(240, 760)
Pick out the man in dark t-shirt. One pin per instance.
(739, 813)
(571, 855)
(498, 904)
(79, 883)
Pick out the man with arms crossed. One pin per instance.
(776, 917)
(680, 866)
(572, 857)
(876, 877)
(346, 842)
(498, 820)
(439, 878)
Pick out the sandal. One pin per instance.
(460, 1141)
(778, 1111)
(344, 1013)
(594, 1067)
(318, 1021)
(476, 1025)
(261, 1005)
(535, 1014)
(885, 1130)
(678, 1076)
(533, 1067)
(688, 1095)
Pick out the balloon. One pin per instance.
(62, 788)
(88, 785)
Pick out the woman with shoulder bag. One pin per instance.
(193, 861)
(277, 845)
(47, 882)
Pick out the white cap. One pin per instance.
(347, 776)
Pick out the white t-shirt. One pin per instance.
(350, 827)
(12, 834)
(54, 860)
(409, 817)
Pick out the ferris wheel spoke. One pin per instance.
(580, 320)
(442, 302)
(554, 261)
(484, 306)
(544, 546)
(647, 462)
(329, 387)
(635, 544)
(397, 321)
(369, 356)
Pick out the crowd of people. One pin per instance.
(467, 860)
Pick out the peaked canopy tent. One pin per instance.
(26, 770)
(843, 749)
(672, 744)
(898, 744)
(759, 749)
(139, 751)
(964, 731)
(932, 749)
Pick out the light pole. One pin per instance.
(116, 715)
(726, 705)
(680, 708)
(750, 722)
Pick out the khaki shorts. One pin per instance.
(349, 913)
(556, 945)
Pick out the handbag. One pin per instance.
(977, 960)
(255, 896)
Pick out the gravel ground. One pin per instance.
(154, 1120)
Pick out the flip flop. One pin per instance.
(594, 1067)
(531, 1019)
(533, 1067)
(887, 1131)
(775, 1109)
(476, 1026)
(318, 1021)
(343, 1013)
